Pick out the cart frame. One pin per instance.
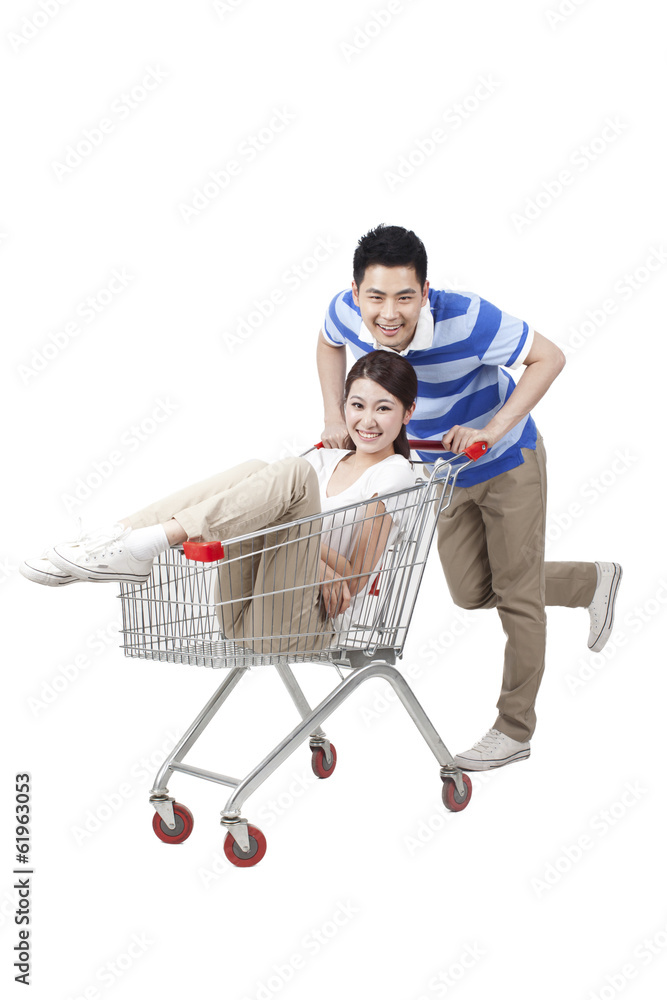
(158, 628)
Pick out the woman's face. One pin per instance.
(374, 417)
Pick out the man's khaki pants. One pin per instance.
(491, 545)
(268, 586)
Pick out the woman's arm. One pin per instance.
(367, 553)
(335, 591)
(370, 545)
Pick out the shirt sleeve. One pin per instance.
(390, 477)
(342, 318)
(499, 338)
(315, 459)
(324, 461)
(321, 460)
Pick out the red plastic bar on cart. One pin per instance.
(474, 452)
(204, 551)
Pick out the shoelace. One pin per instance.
(99, 541)
(490, 741)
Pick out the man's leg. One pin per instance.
(463, 552)
(570, 584)
(513, 508)
(590, 585)
(491, 543)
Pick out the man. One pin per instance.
(491, 538)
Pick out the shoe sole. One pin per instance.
(608, 623)
(490, 765)
(46, 579)
(92, 575)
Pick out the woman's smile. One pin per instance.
(374, 419)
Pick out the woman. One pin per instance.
(284, 582)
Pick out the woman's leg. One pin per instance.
(118, 553)
(285, 614)
(162, 511)
(267, 586)
(243, 500)
(239, 501)
(248, 498)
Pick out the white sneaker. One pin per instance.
(43, 571)
(601, 608)
(101, 556)
(493, 750)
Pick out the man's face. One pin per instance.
(390, 300)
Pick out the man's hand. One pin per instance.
(335, 433)
(457, 439)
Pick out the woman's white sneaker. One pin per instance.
(493, 750)
(101, 556)
(601, 608)
(43, 571)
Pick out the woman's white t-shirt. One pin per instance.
(341, 530)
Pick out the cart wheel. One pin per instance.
(451, 798)
(239, 857)
(182, 830)
(319, 763)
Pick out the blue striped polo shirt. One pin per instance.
(461, 348)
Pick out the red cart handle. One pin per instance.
(203, 551)
(474, 452)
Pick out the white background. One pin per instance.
(550, 881)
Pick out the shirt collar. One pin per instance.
(422, 340)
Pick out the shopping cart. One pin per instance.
(242, 603)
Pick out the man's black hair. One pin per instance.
(390, 246)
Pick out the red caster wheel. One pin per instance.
(182, 830)
(239, 857)
(319, 763)
(451, 798)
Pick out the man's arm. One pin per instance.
(331, 369)
(544, 362)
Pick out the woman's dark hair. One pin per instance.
(390, 246)
(394, 374)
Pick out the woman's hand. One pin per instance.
(335, 591)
